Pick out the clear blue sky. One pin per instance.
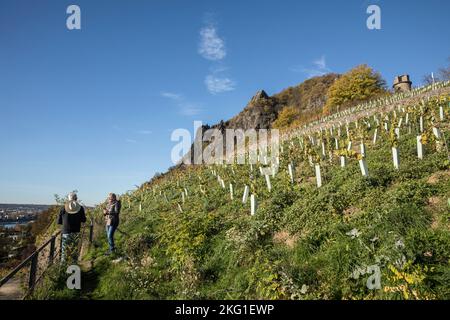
(93, 109)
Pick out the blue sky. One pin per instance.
(93, 109)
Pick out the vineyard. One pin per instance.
(364, 189)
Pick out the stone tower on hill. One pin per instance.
(402, 83)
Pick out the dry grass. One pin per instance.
(283, 237)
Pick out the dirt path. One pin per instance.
(11, 290)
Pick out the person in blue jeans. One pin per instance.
(111, 213)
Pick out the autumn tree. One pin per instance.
(358, 85)
(286, 118)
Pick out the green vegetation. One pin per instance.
(303, 242)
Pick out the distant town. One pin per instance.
(20, 213)
(16, 234)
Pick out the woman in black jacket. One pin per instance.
(111, 213)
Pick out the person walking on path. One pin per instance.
(71, 216)
(111, 213)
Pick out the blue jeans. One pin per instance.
(110, 235)
(69, 248)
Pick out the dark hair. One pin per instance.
(113, 195)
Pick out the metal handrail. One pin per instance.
(33, 258)
(30, 258)
(33, 261)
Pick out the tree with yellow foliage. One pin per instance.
(358, 85)
(286, 118)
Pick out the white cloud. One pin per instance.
(321, 63)
(218, 69)
(216, 84)
(320, 68)
(186, 108)
(172, 96)
(211, 47)
(189, 110)
(145, 132)
(130, 140)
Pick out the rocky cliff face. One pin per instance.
(259, 113)
(262, 110)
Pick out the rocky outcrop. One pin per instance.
(259, 113)
(262, 110)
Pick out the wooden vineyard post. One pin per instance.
(375, 136)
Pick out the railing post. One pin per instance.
(52, 250)
(33, 270)
(60, 245)
(91, 233)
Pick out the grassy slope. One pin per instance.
(297, 244)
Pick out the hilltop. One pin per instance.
(262, 110)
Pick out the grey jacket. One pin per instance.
(113, 212)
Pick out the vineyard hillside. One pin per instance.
(357, 206)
